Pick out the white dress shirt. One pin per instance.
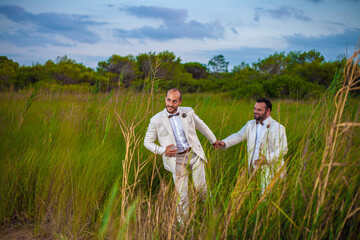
(259, 129)
(179, 134)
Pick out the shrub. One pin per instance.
(252, 90)
(286, 86)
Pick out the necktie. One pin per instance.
(260, 123)
(176, 114)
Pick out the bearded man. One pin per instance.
(266, 143)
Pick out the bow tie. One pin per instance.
(260, 123)
(176, 114)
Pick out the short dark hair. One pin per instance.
(266, 101)
(175, 89)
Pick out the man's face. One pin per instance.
(172, 101)
(260, 111)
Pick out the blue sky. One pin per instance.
(91, 31)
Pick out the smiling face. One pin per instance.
(172, 101)
(260, 111)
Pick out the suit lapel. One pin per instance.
(265, 130)
(167, 125)
(184, 122)
(252, 143)
(252, 133)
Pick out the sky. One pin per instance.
(90, 31)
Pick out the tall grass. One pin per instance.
(76, 168)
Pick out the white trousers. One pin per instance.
(196, 165)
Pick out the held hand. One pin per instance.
(218, 144)
(170, 150)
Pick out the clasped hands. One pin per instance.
(218, 144)
(258, 162)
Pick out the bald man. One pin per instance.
(175, 128)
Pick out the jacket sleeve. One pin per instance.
(204, 129)
(235, 138)
(279, 143)
(150, 137)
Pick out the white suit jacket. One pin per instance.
(160, 128)
(273, 144)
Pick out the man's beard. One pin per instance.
(172, 109)
(260, 117)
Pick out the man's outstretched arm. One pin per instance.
(233, 139)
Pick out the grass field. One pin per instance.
(73, 166)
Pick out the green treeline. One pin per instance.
(296, 75)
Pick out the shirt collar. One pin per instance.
(265, 122)
(168, 114)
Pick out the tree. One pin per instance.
(170, 66)
(146, 63)
(28, 75)
(218, 64)
(67, 71)
(121, 69)
(163, 65)
(244, 73)
(274, 64)
(240, 67)
(196, 69)
(8, 70)
(311, 66)
(298, 58)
